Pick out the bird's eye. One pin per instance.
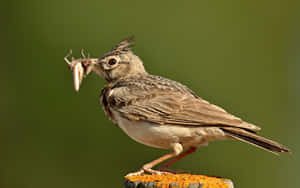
(112, 61)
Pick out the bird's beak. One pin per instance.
(97, 68)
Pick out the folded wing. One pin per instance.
(172, 105)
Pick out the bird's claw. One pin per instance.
(163, 169)
(147, 170)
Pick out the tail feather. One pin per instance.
(253, 138)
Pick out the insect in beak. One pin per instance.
(80, 68)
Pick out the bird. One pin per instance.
(162, 113)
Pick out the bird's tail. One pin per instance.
(256, 140)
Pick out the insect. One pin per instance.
(80, 67)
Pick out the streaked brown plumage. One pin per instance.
(163, 113)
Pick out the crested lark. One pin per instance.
(159, 112)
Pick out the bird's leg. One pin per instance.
(164, 167)
(147, 167)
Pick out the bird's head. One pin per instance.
(120, 62)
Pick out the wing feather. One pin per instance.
(179, 106)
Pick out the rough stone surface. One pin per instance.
(176, 181)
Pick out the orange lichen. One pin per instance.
(183, 180)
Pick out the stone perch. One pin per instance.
(176, 181)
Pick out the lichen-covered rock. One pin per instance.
(176, 181)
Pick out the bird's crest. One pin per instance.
(125, 45)
(122, 47)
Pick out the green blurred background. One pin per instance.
(242, 55)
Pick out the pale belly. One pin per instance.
(164, 136)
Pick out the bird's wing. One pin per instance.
(172, 106)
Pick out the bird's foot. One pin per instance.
(147, 170)
(140, 172)
(157, 172)
(164, 169)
